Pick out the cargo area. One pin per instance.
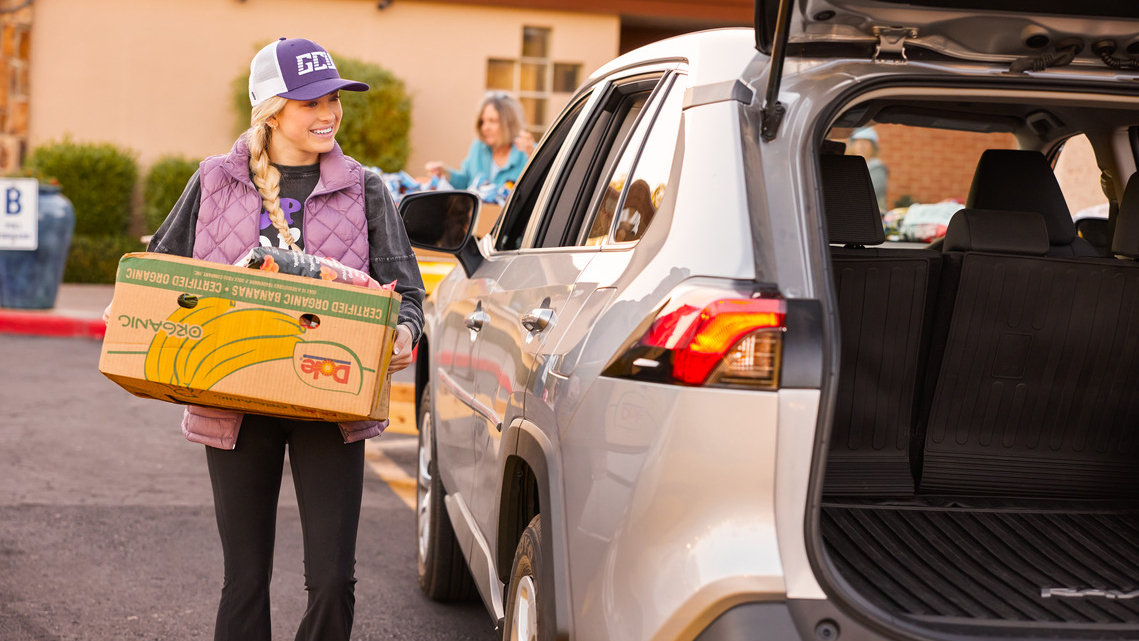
(969, 563)
(983, 462)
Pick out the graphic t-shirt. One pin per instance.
(297, 184)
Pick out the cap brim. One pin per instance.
(324, 87)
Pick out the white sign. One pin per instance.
(19, 213)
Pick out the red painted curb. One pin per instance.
(34, 324)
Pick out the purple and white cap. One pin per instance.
(295, 68)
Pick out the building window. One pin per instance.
(535, 42)
(566, 77)
(500, 74)
(534, 78)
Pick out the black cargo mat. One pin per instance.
(983, 566)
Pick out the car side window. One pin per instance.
(593, 160)
(604, 215)
(645, 187)
(610, 192)
(512, 228)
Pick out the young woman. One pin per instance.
(501, 150)
(286, 183)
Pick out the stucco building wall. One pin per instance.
(154, 76)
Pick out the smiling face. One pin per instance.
(304, 129)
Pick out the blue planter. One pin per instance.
(30, 279)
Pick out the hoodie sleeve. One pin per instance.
(176, 234)
(391, 255)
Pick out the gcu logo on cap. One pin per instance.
(314, 61)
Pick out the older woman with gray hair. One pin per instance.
(501, 150)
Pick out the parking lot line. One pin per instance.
(401, 483)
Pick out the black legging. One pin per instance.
(329, 477)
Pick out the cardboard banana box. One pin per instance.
(189, 331)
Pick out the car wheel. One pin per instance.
(529, 609)
(442, 570)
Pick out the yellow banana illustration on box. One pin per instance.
(223, 346)
(159, 365)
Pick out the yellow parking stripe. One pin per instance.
(433, 272)
(392, 474)
(401, 411)
(401, 414)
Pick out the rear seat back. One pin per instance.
(884, 305)
(1125, 241)
(1022, 180)
(1037, 392)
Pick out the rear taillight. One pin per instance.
(697, 339)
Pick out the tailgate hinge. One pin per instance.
(892, 43)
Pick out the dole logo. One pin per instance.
(319, 366)
(328, 366)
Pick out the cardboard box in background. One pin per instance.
(189, 331)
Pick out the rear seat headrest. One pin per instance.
(832, 147)
(1000, 232)
(1125, 242)
(851, 206)
(1022, 180)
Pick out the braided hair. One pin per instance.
(266, 177)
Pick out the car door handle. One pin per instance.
(476, 319)
(538, 319)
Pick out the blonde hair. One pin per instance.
(511, 121)
(265, 176)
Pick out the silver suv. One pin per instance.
(692, 387)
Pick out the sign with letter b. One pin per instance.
(19, 213)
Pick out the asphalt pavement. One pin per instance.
(108, 532)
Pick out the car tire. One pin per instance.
(529, 606)
(442, 571)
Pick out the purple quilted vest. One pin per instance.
(335, 226)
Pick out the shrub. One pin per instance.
(98, 178)
(376, 122)
(95, 259)
(164, 183)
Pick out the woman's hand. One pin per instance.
(401, 352)
(107, 315)
(436, 168)
(525, 142)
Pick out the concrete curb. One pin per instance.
(45, 324)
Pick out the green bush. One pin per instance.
(376, 122)
(95, 259)
(98, 178)
(164, 183)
